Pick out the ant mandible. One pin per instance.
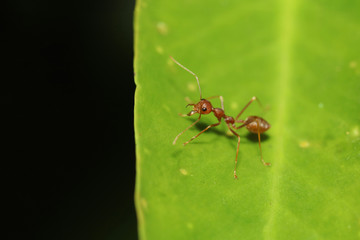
(254, 124)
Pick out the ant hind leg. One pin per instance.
(262, 160)
(237, 149)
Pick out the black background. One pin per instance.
(67, 94)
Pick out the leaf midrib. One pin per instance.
(286, 30)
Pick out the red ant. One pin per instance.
(254, 124)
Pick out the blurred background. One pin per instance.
(67, 94)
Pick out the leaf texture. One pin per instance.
(302, 60)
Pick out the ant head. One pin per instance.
(202, 107)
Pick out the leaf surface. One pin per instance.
(302, 60)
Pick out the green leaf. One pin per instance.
(302, 60)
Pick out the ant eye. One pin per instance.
(204, 109)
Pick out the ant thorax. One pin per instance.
(219, 113)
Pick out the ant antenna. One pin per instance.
(197, 79)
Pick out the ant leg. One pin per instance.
(252, 99)
(258, 132)
(237, 149)
(243, 125)
(189, 114)
(221, 100)
(240, 121)
(210, 126)
(262, 160)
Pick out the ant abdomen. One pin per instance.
(256, 124)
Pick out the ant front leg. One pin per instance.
(189, 114)
(210, 126)
(184, 115)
